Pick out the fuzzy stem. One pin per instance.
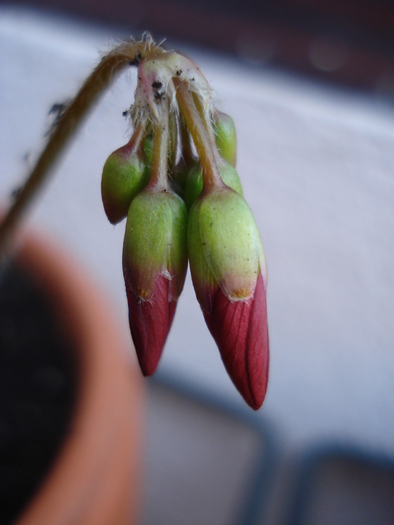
(135, 144)
(128, 53)
(173, 132)
(161, 137)
(201, 112)
(187, 153)
(210, 172)
(208, 127)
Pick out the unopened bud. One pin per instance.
(225, 135)
(124, 176)
(154, 267)
(229, 276)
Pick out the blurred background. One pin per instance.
(310, 86)
(349, 42)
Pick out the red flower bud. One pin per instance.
(154, 267)
(229, 276)
(241, 332)
(150, 322)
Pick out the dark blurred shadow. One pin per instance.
(340, 485)
(207, 462)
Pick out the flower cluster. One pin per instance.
(177, 184)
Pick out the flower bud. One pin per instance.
(124, 176)
(154, 268)
(225, 135)
(194, 181)
(178, 177)
(229, 276)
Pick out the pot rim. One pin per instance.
(100, 457)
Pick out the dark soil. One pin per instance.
(37, 390)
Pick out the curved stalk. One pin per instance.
(161, 139)
(186, 151)
(208, 127)
(127, 53)
(210, 172)
(136, 143)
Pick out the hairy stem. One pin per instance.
(187, 153)
(210, 172)
(173, 139)
(161, 139)
(128, 53)
(208, 127)
(135, 144)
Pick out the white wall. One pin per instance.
(317, 168)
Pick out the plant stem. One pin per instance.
(187, 153)
(128, 53)
(161, 136)
(201, 112)
(208, 127)
(135, 144)
(210, 172)
(173, 138)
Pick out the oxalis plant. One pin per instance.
(176, 183)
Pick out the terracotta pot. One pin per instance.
(95, 478)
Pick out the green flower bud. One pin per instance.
(226, 138)
(124, 176)
(194, 182)
(180, 175)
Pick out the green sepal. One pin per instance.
(224, 246)
(156, 241)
